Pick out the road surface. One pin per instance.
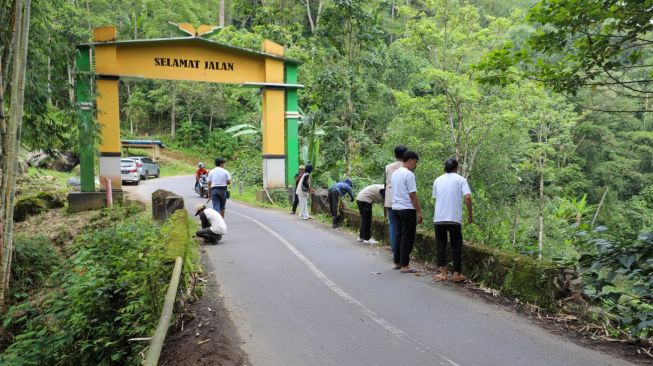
(301, 293)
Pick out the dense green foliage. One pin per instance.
(498, 85)
(91, 299)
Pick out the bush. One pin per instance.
(111, 289)
(619, 273)
(34, 261)
(221, 144)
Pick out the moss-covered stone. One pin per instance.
(37, 203)
(28, 206)
(515, 275)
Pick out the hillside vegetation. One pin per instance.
(545, 105)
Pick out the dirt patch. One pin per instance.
(61, 228)
(207, 336)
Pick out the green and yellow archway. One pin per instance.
(189, 59)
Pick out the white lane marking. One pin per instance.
(348, 298)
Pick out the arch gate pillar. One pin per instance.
(273, 124)
(108, 107)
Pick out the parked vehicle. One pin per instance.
(146, 167)
(129, 171)
(202, 186)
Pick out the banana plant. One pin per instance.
(313, 133)
(243, 129)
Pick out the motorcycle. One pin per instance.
(202, 186)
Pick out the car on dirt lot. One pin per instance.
(129, 171)
(146, 167)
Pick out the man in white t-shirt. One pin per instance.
(406, 211)
(213, 225)
(449, 190)
(399, 151)
(218, 180)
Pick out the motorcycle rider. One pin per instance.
(198, 173)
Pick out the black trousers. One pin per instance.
(208, 235)
(405, 235)
(295, 202)
(365, 209)
(334, 200)
(455, 237)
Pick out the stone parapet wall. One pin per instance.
(528, 279)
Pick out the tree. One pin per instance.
(604, 46)
(11, 132)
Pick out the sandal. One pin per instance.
(396, 266)
(458, 278)
(412, 270)
(441, 277)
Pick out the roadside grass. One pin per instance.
(248, 196)
(36, 174)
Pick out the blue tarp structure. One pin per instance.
(142, 143)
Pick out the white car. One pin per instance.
(129, 171)
(146, 167)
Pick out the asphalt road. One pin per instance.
(302, 293)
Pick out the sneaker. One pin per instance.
(359, 239)
(371, 241)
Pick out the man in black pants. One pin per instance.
(406, 210)
(448, 191)
(295, 201)
(365, 199)
(335, 192)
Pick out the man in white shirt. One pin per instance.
(387, 204)
(213, 225)
(449, 190)
(218, 180)
(365, 199)
(406, 210)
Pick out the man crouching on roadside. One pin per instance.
(213, 225)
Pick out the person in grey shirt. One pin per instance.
(387, 204)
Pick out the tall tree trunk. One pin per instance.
(88, 15)
(49, 77)
(7, 57)
(222, 13)
(10, 153)
(211, 120)
(598, 209)
(71, 83)
(129, 109)
(540, 236)
(515, 225)
(3, 132)
(307, 3)
(320, 4)
(173, 127)
(135, 24)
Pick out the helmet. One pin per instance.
(201, 165)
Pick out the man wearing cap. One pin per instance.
(335, 192)
(298, 176)
(213, 225)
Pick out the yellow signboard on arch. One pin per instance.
(196, 59)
